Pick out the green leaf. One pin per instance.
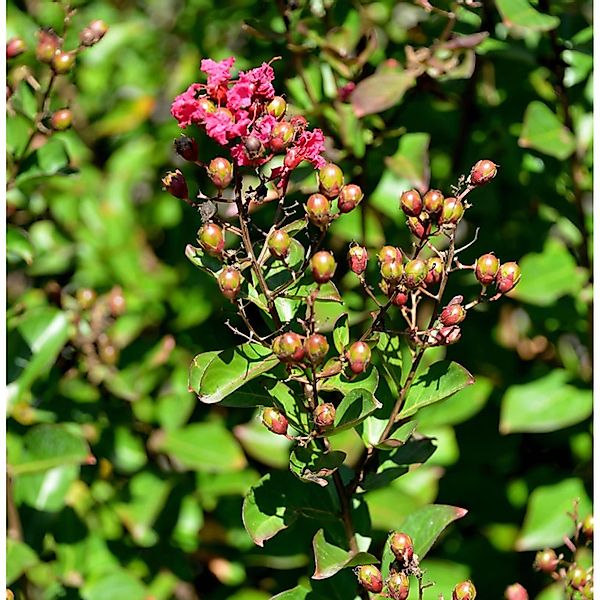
(18, 246)
(314, 464)
(543, 131)
(215, 375)
(367, 381)
(263, 445)
(341, 333)
(117, 584)
(297, 593)
(546, 520)
(441, 380)
(520, 13)
(49, 159)
(411, 160)
(19, 558)
(380, 91)
(206, 447)
(329, 558)
(424, 526)
(549, 275)
(546, 404)
(355, 407)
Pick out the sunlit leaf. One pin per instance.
(543, 131)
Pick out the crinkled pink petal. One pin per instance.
(185, 106)
(240, 127)
(219, 74)
(261, 78)
(263, 128)
(239, 96)
(218, 125)
(310, 146)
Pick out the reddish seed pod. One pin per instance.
(507, 277)
(254, 147)
(323, 266)
(14, 47)
(274, 421)
(369, 577)
(587, 527)
(411, 203)
(62, 62)
(331, 180)
(392, 271)
(279, 244)
(482, 172)
(282, 136)
(418, 227)
(577, 577)
(61, 119)
(516, 592)
(358, 257)
(389, 254)
(288, 347)
(486, 268)
(212, 238)
(93, 33)
(349, 198)
(187, 148)
(447, 335)
(453, 314)
(402, 547)
(433, 202)
(358, 356)
(220, 172)
(277, 107)
(400, 298)
(398, 586)
(174, 182)
(318, 209)
(546, 561)
(48, 44)
(452, 211)
(208, 106)
(230, 282)
(324, 415)
(435, 270)
(415, 272)
(464, 591)
(316, 348)
(116, 301)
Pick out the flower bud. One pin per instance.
(116, 301)
(349, 198)
(402, 547)
(331, 180)
(323, 266)
(411, 203)
(389, 254)
(546, 561)
(282, 136)
(274, 421)
(577, 577)
(344, 92)
(230, 282)
(187, 148)
(464, 591)
(93, 33)
(452, 211)
(174, 182)
(507, 277)
(48, 44)
(85, 298)
(392, 271)
(482, 172)
(211, 238)
(398, 586)
(433, 202)
(358, 257)
(277, 107)
(435, 270)
(486, 268)
(108, 354)
(358, 356)
(447, 335)
(415, 272)
(208, 106)
(316, 348)
(419, 227)
(14, 47)
(516, 592)
(400, 298)
(220, 172)
(369, 577)
(324, 415)
(318, 209)
(587, 527)
(279, 244)
(288, 347)
(61, 119)
(453, 314)
(62, 62)
(254, 147)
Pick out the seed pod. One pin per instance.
(464, 591)
(47, 46)
(62, 62)
(516, 592)
(288, 347)
(587, 527)
(415, 272)
(230, 282)
(116, 301)
(208, 106)
(93, 33)
(85, 298)
(316, 348)
(331, 180)
(61, 119)
(402, 547)
(349, 198)
(282, 136)
(274, 420)
(435, 270)
(279, 244)
(546, 561)
(369, 577)
(323, 266)
(220, 172)
(318, 209)
(482, 172)
(447, 335)
(507, 277)
(324, 415)
(14, 47)
(433, 202)
(277, 107)
(358, 356)
(187, 148)
(453, 314)
(392, 271)
(452, 211)
(577, 577)
(254, 147)
(358, 257)
(400, 298)
(212, 238)
(486, 268)
(389, 254)
(419, 226)
(411, 203)
(398, 586)
(174, 182)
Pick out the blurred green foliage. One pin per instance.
(120, 483)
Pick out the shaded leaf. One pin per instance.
(355, 407)
(520, 13)
(313, 464)
(18, 246)
(19, 558)
(341, 333)
(380, 91)
(411, 161)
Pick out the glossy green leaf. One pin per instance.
(117, 584)
(298, 593)
(521, 13)
(49, 159)
(19, 558)
(18, 246)
(215, 375)
(341, 333)
(411, 160)
(263, 445)
(355, 407)
(543, 131)
(367, 381)
(545, 404)
(546, 521)
(314, 464)
(380, 91)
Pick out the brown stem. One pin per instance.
(15, 529)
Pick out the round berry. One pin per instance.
(277, 107)
(507, 277)
(316, 348)
(415, 272)
(516, 592)
(318, 209)
(230, 282)
(48, 44)
(433, 201)
(358, 356)
(220, 172)
(453, 314)
(464, 591)
(323, 266)
(274, 421)
(392, 271)
(577, 577)
(369, 577)
(61, 119)
(288, 347)
(546, 561)
(282, 136)
(402, 547)
(398, 586)
(212, 239)
(482, 172)
(324, 415)
(279, 244)
(486, 268)
(411, 203)
(331, 180)
(435, 270)
(62, 62)
(400, 298)
(452, 211)
(358, 257)
(349, 198)
(389, 254)
(14, 47)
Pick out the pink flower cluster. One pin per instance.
(237, 113)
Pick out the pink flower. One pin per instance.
(260, 78)
(218, 125)
(263, 128)
(240, 95)
(219, 74)
(185, 106)
(310, 146)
